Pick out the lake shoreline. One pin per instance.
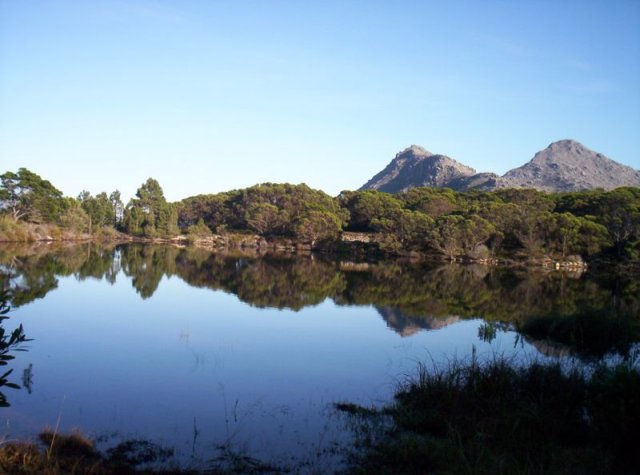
(353, 245)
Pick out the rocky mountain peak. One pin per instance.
(565, 165)
(415, 166)
(415, 150)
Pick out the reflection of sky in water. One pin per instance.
(106, 361)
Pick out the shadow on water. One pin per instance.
(558, 312)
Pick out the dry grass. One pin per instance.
(75, 454)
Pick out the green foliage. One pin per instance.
(316, 225)
(618, 211)
(100, 209)
(271, 210)
(25, 195)
(117, 206)
(75, 217)
(457, 235)
(434, 202)
(214, 210)
(284, 210)
(266, 219)
(199, 230)
(506, 223)
(404, 230)
(366, 206)
(149, 214)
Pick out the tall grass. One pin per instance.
(12, 231)
(501, 418)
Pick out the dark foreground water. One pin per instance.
(196, 351)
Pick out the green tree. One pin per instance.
(404, 230)
(316, 225)
(368, 205)
(199, 230)
(617, 210)
(457, 235)
(213, 209)
(25, 195)
(118, 207)
(265, 218)
(99, 209)
(75, 217)
(149, 214)
(434, 202)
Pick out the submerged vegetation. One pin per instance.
(502, 418)
(506, 224)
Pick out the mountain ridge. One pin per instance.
(564, 165)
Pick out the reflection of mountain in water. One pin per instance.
(407, 325)
(550, 348)
(409, 296)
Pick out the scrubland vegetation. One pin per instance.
(506, 224)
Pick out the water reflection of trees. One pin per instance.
(33, 271)
(407, 293)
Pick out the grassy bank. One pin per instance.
(19, 231)
(500, 418)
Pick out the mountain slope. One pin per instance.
(565, 165)
(568, 165)
(415, 166)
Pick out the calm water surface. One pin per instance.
(194, 350)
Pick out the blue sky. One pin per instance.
(207, 96)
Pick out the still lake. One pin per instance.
(194, 350)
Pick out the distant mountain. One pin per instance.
(568, 165)
(565, 165)
(415, 166)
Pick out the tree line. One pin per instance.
(477, 225)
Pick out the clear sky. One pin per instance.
(207, 96)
